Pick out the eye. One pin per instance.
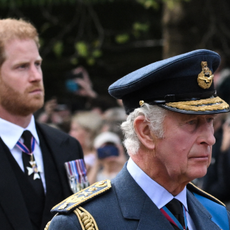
(192, 122)
(22, 66)
(38, 63)
(210, 119)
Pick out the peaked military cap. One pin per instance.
(183, 83)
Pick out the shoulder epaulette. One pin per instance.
(82, 196)
(194, 189)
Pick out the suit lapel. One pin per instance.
(54, 143)
(57, 187)
(152, 218)
(11, 198)
(138, 207)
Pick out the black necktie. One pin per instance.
(37, 184)
(176, 208)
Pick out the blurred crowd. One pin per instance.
(216, 182)
(95, 126)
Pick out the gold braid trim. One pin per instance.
(48, 224)
(209, 104)
(85, 219)
(207, 194)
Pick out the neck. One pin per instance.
(22, 121)
(152, 169)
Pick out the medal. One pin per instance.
(34, 168)
(77, 175)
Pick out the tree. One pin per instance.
(109, 38)
(114, 37)
(196, 24)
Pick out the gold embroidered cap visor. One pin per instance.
(183, 83)
(204, 106)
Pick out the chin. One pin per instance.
(30, 109)
(199, 174)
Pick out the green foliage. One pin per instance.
(58, 48)
(150, 3)
(97, 53)
(122, 38)
(87, 51)
(82, 49)
(79, 29)
(139, 28)
(45, 27)
(155, 4)
(74, 61)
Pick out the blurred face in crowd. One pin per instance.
(80, 133)
(21, 81)
(184, 153)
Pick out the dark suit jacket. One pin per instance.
(13, 212)
(126, 206)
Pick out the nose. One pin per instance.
(207, 135)
(35, 73)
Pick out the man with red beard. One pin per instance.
(32, 178)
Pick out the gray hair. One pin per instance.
(153, 114)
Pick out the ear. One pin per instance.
(145, 136)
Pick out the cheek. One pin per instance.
(182, 143)
(177, 150)
(16, 84)
(76, 134)
(81, 136)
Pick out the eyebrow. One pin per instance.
(191, 116)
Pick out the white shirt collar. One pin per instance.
(11, 133)
(158, 194)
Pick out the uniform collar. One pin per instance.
(158, 194)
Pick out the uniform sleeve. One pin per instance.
(65, 222)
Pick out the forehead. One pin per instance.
(21, 47)
(185, 117)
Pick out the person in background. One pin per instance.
(85, 126)
(56, 115)
(79, 89)
(171, 105)
(110, 157)
(112, 119)
(216, 181)
(32, 155)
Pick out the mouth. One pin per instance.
(36, 91)
(201, 157)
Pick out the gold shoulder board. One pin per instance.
(84, 195)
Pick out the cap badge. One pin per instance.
(141, 103)
(205, 76)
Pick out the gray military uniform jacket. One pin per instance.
(123, 206)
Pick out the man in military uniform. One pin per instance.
(171, 105)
